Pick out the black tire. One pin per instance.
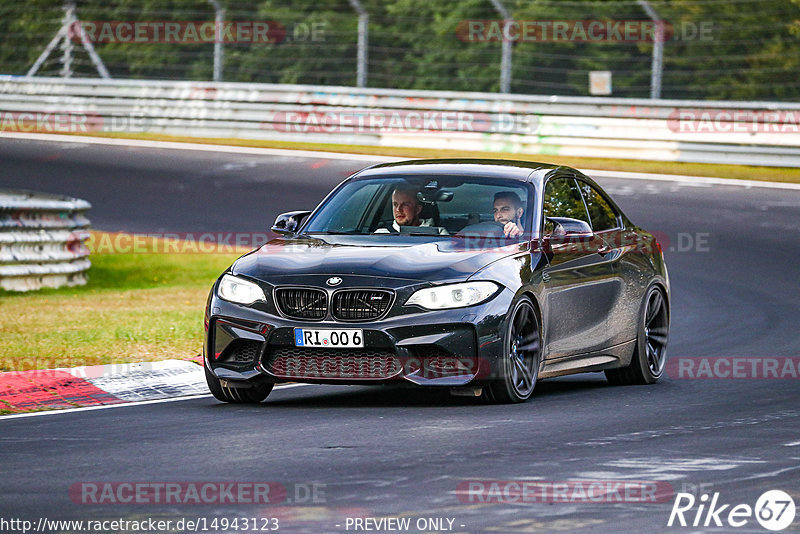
(519, 365)
(253, 395)
(650, 352)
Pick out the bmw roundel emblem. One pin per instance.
(333, 281)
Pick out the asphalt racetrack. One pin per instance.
(344, 452)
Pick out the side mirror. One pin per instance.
(568, 236)
(570, 228)
(287, 223)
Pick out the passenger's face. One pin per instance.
(504, 211)
(406, 208)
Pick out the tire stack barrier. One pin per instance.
(42, 240)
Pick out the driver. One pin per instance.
(508, 211)
(406, 209)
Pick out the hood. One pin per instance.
(411, 258)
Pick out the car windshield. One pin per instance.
(426, 206)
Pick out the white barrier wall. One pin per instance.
(750, 133)
(42, 240)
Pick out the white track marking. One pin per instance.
(147, 380)
(693, 181)
(125, 405)
(141, 143)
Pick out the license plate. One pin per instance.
(344, 338)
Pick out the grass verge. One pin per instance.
(138, 306)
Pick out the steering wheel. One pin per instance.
(484, 228)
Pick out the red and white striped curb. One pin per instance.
(100, 384)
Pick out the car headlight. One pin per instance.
(453, 295)
(238, 290)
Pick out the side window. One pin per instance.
(600, 211)
(562, 199)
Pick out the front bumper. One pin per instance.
(246, 345)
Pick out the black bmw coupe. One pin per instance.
(482, 276)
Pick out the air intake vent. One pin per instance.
(302, 303)
(242, 351)
(360, 304)
(316, 363)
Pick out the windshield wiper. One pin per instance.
(423, 234)
(331, 232)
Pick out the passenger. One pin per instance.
(508, 210)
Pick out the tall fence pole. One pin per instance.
(66, 44)
(505, 53)
(219, 20)
(363, 40)
(658, 49)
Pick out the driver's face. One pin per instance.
(406, 208)
(504, 211)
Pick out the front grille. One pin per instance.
(317, 363)
(360, 304)
(241, 351)
(301, 302)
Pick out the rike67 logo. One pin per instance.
(774, 510)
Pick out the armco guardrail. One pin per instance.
(751, 133)
(42, 240)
